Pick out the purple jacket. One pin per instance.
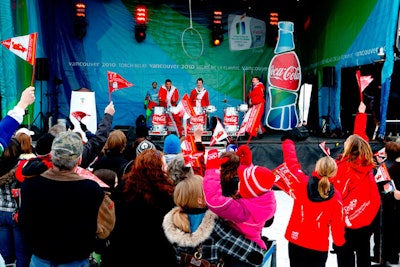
(247, 215)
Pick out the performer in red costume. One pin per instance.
(168, 97)
(199, 95)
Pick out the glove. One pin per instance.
(336, 249)
(244, 153)
(144, 107)
(70, 124)
(83, 126)
(213, 160)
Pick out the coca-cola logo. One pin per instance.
(231, 120)
(159, 119)
(200, 119)
(284, 72)
(287, 74)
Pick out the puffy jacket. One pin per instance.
(312, 218)
(356, 183)
(247, 215)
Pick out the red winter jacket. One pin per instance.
(356, 183)
(313, 218)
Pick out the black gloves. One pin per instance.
(70, 125)
(83, 126)
(144, 107)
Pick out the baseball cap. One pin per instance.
(67, 145)
(25, 131)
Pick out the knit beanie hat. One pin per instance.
(145, 144)
(43, 144)
(172, 145)
(254, 180)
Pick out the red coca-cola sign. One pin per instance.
(159, 119)
(231, 120)
(284, 71)
(198, 119)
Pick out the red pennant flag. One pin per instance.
(219, 133)
(363, 82)
(23, 46)
(325, 149)
(79, 115)
(116, 82)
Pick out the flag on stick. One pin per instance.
(116, 82)
(363, 82)
(79, 115)
(325, 149)
(219, 133)
(23, 46)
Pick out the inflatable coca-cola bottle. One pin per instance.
(284, 79)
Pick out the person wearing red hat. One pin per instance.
(240, 192)
(317, 209)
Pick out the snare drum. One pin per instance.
(159, 119)
(243, 108)
(231, 120)
(211, 109)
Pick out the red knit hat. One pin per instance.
(254, 180)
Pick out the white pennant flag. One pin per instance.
(219, 133)
(23, 46)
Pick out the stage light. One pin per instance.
(141, 15)
(80, 20)
(141, 21)
(217, 31)
(272, 30)
(140, 33)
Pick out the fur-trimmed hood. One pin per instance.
(182, 239)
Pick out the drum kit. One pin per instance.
(162, 122)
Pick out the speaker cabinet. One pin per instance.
(42, 69)
(328, 76)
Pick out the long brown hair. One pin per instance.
(147, 178)
(358, 150)
(26, 143)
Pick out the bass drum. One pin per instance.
(159, 119)
(231, 120)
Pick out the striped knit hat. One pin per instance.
(254, 180)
